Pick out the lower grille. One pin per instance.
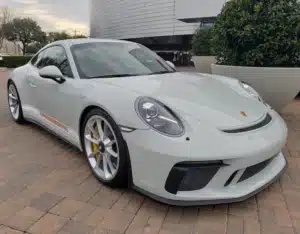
(253, 170)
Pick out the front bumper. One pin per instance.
(241, 164)
(219, 200)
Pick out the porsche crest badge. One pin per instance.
(243, 113)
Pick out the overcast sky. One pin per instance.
(53, 15)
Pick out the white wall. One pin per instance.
(10, 48)
(198, 8)
(121, 19)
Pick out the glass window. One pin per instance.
(56, 56)
(206, 25)
(37, 58)
(117, 59)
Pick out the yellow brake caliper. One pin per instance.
(95, 146)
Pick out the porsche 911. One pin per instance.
(181, 138)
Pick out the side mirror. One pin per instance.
(171, 65)
(53, 73)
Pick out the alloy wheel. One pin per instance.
(101, 147)
(13, 101)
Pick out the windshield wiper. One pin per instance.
(161, 72)
(114, 75)
(126, 75)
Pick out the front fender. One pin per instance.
(18, 77)
(120, 107)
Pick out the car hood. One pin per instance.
(198, 95)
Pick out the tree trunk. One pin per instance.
(24, 47)
(1, 41)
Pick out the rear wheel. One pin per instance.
(105, 148)
(14, 103)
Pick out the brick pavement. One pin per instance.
(47, 187)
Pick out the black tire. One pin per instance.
(20, 119)
(120, 180)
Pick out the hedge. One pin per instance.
(202, 42)
(14, 61)
(258, 33)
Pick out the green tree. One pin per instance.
(258, 33)
(202, 42)
(79, 36)
(56, 36)
(24, 30)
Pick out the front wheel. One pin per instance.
(14, 102)
(105, 148)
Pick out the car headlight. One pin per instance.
(158, 116)
(251, 91)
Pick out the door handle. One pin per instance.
(32, 85)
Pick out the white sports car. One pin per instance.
(180, 138)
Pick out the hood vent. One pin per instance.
(264, 122)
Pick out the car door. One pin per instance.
(56, 101)
(30, 107)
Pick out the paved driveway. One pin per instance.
(46, 187)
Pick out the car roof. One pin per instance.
(70, 42)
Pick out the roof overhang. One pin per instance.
(198, 11)
(211, 19)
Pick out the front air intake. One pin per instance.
(255, 169)
(190, 176)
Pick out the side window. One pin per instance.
(56, 56)
(34, 59)
(37, 58)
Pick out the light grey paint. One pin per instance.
(203, 63)
(123, 19)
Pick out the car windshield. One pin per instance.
(116, 59)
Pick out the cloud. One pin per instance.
(54, 15)
(51, 21)
(26, 1)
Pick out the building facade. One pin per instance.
(161, 25)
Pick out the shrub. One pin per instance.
(33, 48)
(14, 61)
(258, 33)
(202, 42)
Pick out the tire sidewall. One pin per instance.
(121, 177)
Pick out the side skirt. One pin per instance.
(52, 132)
